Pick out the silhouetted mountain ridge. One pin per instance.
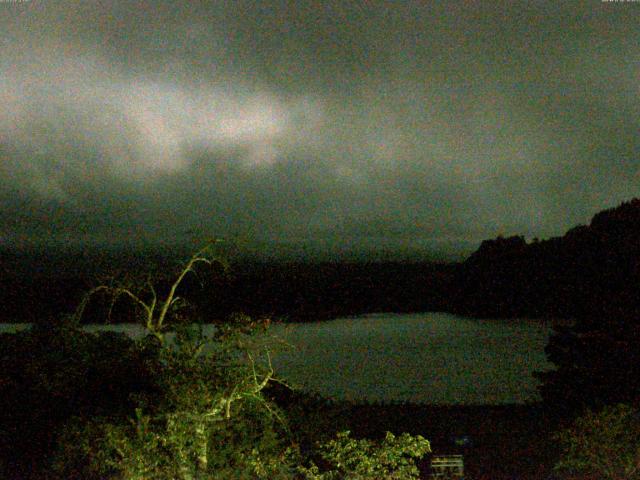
(591, 270)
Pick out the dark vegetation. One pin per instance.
(591, 271)
(56, 376)
(34, 287)
(55, 373)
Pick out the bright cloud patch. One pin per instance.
(134, 128)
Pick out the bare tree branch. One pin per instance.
(154, 323)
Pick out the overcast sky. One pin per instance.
(322, 122)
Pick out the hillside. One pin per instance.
(590, 271)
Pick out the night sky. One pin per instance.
(323, 124)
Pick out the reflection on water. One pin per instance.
(430, 357)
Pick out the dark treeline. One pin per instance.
(303, 292)
(35, 288)
(36, 285)
(592, 271)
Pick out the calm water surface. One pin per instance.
(428, 357)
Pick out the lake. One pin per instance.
(435, 358)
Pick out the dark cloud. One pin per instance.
(321, 122)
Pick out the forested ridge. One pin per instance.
(591, 270)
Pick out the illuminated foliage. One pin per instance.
(348, 458)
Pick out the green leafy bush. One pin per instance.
(205, 418)
(350, 459)
(603, 445)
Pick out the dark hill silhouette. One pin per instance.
(591, 271)
(597, 360)
(34, 288)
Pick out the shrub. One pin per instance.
(205, 418)
(54, 372)
(348, 458)
(603, 445)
